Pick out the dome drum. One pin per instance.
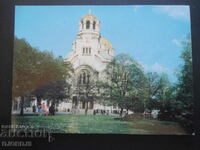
(89, 22)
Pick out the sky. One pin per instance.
(152, 35)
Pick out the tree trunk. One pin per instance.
(22, 106)
(127, 111)
(38, 101)
(144, 106)
(121, 111)
(86, 108)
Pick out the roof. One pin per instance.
(105, 42)
(90, 16)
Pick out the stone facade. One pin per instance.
(89, 56)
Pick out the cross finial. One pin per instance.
(90, 11)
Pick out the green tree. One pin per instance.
(57, 91)
(180, 106)
(164, 91)
(185, 105)
(153, 87)
(32, 69)
(53, 92)
(123, 81)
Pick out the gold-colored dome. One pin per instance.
(105, 42)
(90, 16)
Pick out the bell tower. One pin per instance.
(89, 25)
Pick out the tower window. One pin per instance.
(94, 24)
(87, 24)
(89, 50)
(82, 24)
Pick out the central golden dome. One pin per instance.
(90, 16)
(105, 42)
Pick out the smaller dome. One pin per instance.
(105, 42)
(89, 16)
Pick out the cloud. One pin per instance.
(156, 67)
(176, 42)
(176, 12)
(136, 8)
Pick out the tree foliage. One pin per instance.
(181, 107)
(185, 104)
(124, 83)
(33, 69)
(54, 91)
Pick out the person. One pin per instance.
(102, 112)
(46, 113)
(34, 109)
(94, 112)
(39, 109)
(52, 110)
(43, 108)
(107, 112)
(25, 109)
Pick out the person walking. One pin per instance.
(34, 109)
(52, 109)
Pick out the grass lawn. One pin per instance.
(97, 124)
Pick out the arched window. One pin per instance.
(88, 78)
(94, 24)
(84, 77)
(83, 50)
(87, 24)
(86, 50)
(80, 79)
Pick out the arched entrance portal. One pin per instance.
(84, 86)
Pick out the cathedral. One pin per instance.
(89, 56)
